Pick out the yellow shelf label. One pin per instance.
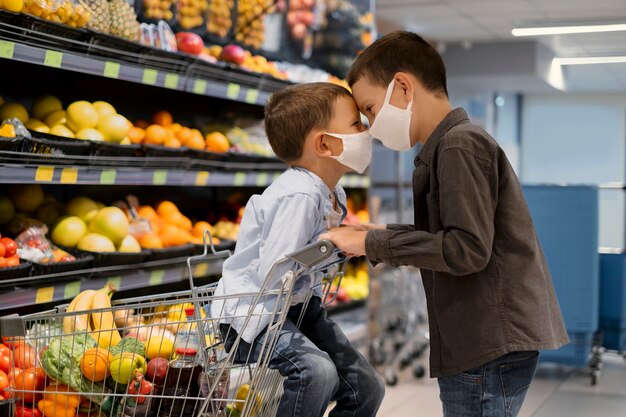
(53, 59)
(240, 179)
(156, 277)
(202, 178)
(107, 177)
(71, 290)
(44, 295)
(159, 177)
(201, 270)
(199, 86)
(111, 69)
(6, 49)
(261, 179)
(44, 174)
(150, 76)
(232, 91)
(171, 80)
(69, 176)
(252, 96)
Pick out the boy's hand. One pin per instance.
(348, 240)
(372, 226)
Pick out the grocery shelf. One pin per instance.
(88, 175)
(152, 274)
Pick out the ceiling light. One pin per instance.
(587, 60)
(562, 30)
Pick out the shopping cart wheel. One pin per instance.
(405, 361)
(377, 353)
(419, 371)
(390, 376)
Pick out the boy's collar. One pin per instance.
(319, 182)
(452, 119)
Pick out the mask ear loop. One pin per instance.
(388, 95)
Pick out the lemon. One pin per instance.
(13, 5)
(37, 126)
(159, 347)
(113, 127)
(244, 395)
(9, 110)
(103, 108)
(61, 130)
(125, 141)
(89, 134)
(81, 115)
(55, 118)
(45, 105)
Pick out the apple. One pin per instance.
(157, 370)
(189, 42)
(234, 54)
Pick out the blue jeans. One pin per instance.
(495, 389)
(320, 365)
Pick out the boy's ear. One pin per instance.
(320, 144)
(404, 81)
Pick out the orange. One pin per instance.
(185, 224)
(147, 212)
(136, 134)
(173, 143)
(150, 241)
(173, 217)
(183, 134)
(94, 364)
(156, 135)
(174, 128)
(195, 142)
(142, 124)
(163, 118)
(200, 227)
(217, 142)
(173, 236)
(196, 133)
(166, 207)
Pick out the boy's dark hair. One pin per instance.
(293, 112)
(400, 51)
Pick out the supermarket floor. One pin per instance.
(556, 390)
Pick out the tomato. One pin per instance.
(6, 358)
(24, 356)
(4, 381)
(3, 262)
(13, 372)
(40, 374)
(21, 411)
(13, 261)
(27, 386)
(12, 341)
(10, 246)
(2, 250)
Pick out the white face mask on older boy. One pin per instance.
(357, 150)
(392, 125)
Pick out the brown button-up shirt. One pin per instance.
(488, 287)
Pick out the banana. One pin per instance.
(104, 329)
(78, 322)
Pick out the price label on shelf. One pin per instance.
(156, 277)
(44, 295)
(44, 174)
(107, 177)
(232, 91)
(240, 179)
(261, 179)
(252, 96)
(53, 59)
(6, 49)
(199, 86)
(159, 177)
(111, 69)
(71, 290)
(202, 178)
(149, 76)
(69, 176)
(171, 81)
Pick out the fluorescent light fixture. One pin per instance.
(588, 60)
(562, 30)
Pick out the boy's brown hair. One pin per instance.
(293, 112)
(400, 51)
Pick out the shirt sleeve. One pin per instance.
(466, 203)
(289, 228)
(405, 227)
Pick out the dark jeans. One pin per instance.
(320, 365)
(495, 389)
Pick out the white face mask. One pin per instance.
(392, 124)
(357, 150)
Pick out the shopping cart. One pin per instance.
(398, 304)
(84, 367)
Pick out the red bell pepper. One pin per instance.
(140, 387)
(21, 411)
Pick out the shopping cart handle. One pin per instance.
(313, 254)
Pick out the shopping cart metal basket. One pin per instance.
(115, 360)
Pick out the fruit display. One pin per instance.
(235, 54)
(101, 21)
(250, 26)
(73, 13)
(123, 20)
(9, 258)
(158, 9)
(219, 19)
(190, 13)
(300, 18)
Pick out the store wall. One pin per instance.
(578, 139)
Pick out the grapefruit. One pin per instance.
(81, 115)
(61, 130)
(129, 244)
(103, 108)
(10, 110)
(26, 198)
(45, 105)
(113, 127)
(69, 231)
(94, 242)
(89, 134)
(111, 222)
(82, 207)
(37, 126)
(55, 118)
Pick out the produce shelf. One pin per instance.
(79, 175)
(150, 274)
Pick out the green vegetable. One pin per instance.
(129, 344)
(61, 361)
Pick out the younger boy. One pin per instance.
(316, 129)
